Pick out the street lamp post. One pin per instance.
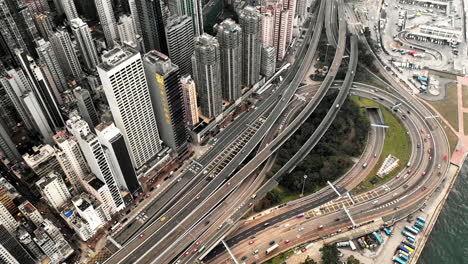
(326, 53)
(303, 185)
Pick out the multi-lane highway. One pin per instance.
(416, 187)
(399, 191)
(176, 219)
(185, 210)
(395, 196)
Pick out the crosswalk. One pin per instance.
(337, 205)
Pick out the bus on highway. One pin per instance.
(269, 250)
(422, 220)
(300, 215)
(201, 249)
(116, 226)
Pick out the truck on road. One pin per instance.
(270, 249)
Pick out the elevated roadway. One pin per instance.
(392, 195)
(182, 208)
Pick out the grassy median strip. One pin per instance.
(397, 143)
(280, 258)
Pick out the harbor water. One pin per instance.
(448, 242)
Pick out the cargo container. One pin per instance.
(408, 248)
(408, 244)
(351, 244)
(342, 244)
(398, 260)
(403, 248)
(407, 234)
(412, 230)
(387, 232)
(377, 237)
(422, 78)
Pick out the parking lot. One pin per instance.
(415, 36)
(418, 35)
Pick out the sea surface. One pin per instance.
(448, 242)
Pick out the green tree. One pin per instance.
(309, 260)
(352, 260)
(329, 254)
(274, 196)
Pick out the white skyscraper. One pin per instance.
(281, 13)
(191, 8)
(127, 31)
(71, 159)
(291, 5)
(107, 19)
(85, 208)
(85, 42)
(97, 160)
(7, 220)
(117, 154)
(54, 190)
(206, 63)
(180, 42)
(268, 29)
(70, 9)
(47, 97)
(190, 99)
(13, 83)
(135, 19)
(229, 35)
(50, 58)
(250, 21)
(124, 82)
(26, 103)
(35, 109)
(101, 192)
(66, 54)
(31, 212)
(6, 257)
